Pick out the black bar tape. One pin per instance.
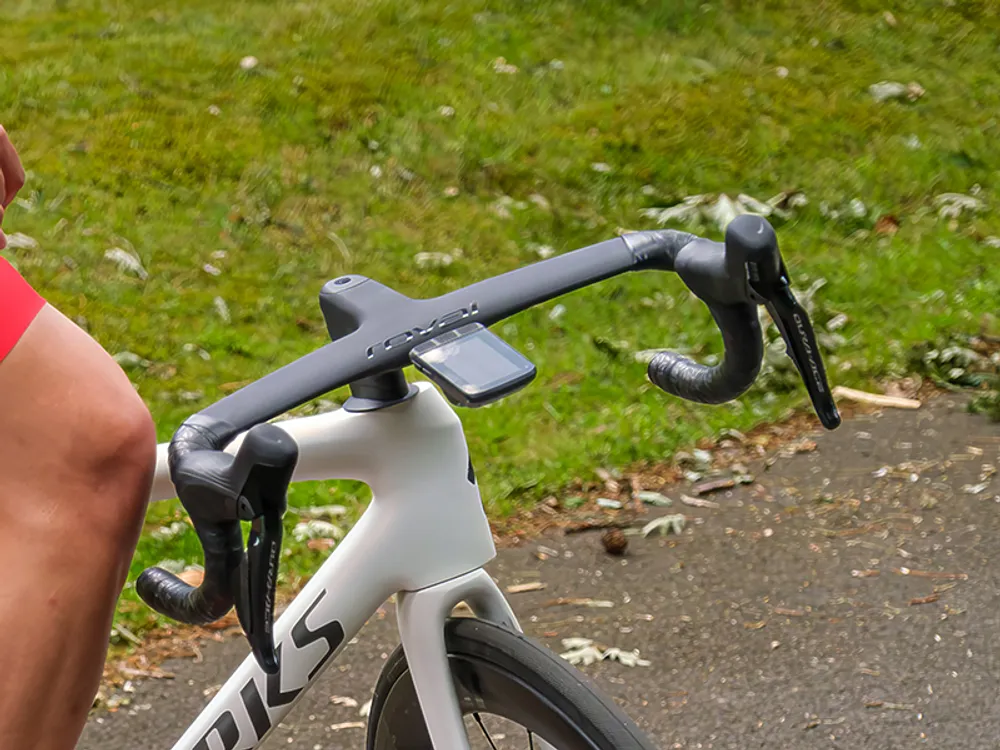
(679, 376)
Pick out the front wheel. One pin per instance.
(513, 693)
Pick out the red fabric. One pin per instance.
(19, 304)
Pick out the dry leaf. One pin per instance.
(433, 260)
(887, 224)
(322, 511)
(654, 498)
(18, 241)
(126, 261)
(192, 576)
(316, 529)
(321, 544)
(698, 502)
(665, 525)
(222, 309)
(500, 65)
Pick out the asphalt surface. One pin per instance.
(834, 601)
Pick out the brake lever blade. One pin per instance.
(257, 588)
(753, 238)
(793, 323)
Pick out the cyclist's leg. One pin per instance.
(77, 451)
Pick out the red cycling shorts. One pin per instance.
(19, 304)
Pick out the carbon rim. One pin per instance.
(483, 690)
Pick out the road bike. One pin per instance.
(425, 536)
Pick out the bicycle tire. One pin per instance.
(503, 673)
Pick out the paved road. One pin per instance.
(764, 621)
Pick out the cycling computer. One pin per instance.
(472, 365)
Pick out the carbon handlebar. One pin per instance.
(732, 278)
(373, 328)
(716, 273)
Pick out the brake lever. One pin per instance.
(793, 323)
(256, 589)
(263, 502)
(769, 285)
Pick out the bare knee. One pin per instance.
(113, 455)
(78, 438)
(119, 462)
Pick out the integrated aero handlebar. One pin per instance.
(373, 328)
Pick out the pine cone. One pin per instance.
(614, 541)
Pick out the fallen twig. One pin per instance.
(578, 601)
(713, 486)
(153, 674)
(929, 599)
(931, 574)
(825, 722)
(875, 399)
(889, 706)
(636, 490)
(865, 573)
(868, 527)
(127, 634)
(580, 526)
(522, 588)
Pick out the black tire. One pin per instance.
(505, 674)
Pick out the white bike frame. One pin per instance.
(425, 537)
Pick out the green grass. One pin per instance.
(140, 130)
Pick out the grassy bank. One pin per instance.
(493, 132)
